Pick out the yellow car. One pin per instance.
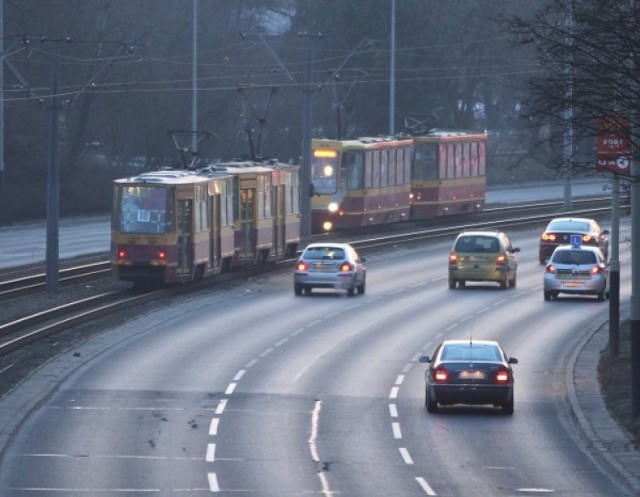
(483, 256)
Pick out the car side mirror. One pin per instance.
(424, 359)
(605, 232)
(512, 360)
(517, 249)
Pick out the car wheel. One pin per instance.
(512, 283)
(543, 260)
(307, 290)
(452, 284)
(504, 283)
(461, 283)
(507, 407)
(297, 289)
(601, 295)
(432, 405)
(547, 296)
(362, 287)
(351, 291)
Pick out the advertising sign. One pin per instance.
(613, 146)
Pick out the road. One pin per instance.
(253, 391)
(26, 244)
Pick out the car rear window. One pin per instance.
(466, 352)
(568, 226)
(574, 257)
(475, 244)
(320, 253)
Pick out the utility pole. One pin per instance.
(568, 113)
(635, 280)
(194, 78)
(53, 189)
(392, 75)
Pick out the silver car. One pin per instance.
(577, 270)
(330, 265)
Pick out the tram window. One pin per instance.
(442, 154)
(293, 192)
(392, 167)
(465, 160)
(355, 170)
(459, 160)
(143, 209)
(407, 164)
(376, 169)
(481, 158)
(451, 158)
(384, 167)
(426, 161)
(368, 170)
(473, 159)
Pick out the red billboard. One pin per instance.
(613, 146)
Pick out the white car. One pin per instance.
(576, 270)
(330, 265)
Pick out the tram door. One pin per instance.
(279, 219)
(185, 256)
(215, 233)
(247, 221)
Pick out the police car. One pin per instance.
(576, 269)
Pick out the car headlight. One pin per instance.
(333, 207)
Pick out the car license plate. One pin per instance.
(573, 284)
(471, 375)
(475, 258)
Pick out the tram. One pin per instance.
(382, 180)
(179, 226)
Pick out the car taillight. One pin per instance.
(161, 255)
(501, 259)
(346, 267)
(453, 258)
(302, 266)
(502, 376)
(549, 237)
(597, 269)
(122, 254)
(441, 375)
(550, 269)
(586, 238)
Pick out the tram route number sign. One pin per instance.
(613, 146)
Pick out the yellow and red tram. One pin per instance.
(448, 173)
(178, 226)
(372, 181)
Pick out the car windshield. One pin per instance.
(470, 352)
(568, 226)
(473, 243)
(577, 257)
(319, 253)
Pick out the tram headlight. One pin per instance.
(327, 226)
(328, 171)
(333, 207)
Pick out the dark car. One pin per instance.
(560, 230)
(474, 372)
(330, 265)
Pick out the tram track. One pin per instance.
(26, 330)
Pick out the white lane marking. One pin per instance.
(418, 285)
(355, 306)
(213, 482)
(266, 352)
(408, 366)
(396, 292)
(406, 457)
(282, 342)
(397, 434)
(400, 379)
(297, 332)
(239, 375)
(425, 486)
(332, 315)
(536, 490)
(315, 416)
(313, 323)
(221, 406)
(393, 411)
(394, 393)
(451, 326)
(211, 453)
(230, 388)
(213, 427)
(313, 448)
(251, 363)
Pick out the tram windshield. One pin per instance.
(143, 209)
(324, 171)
